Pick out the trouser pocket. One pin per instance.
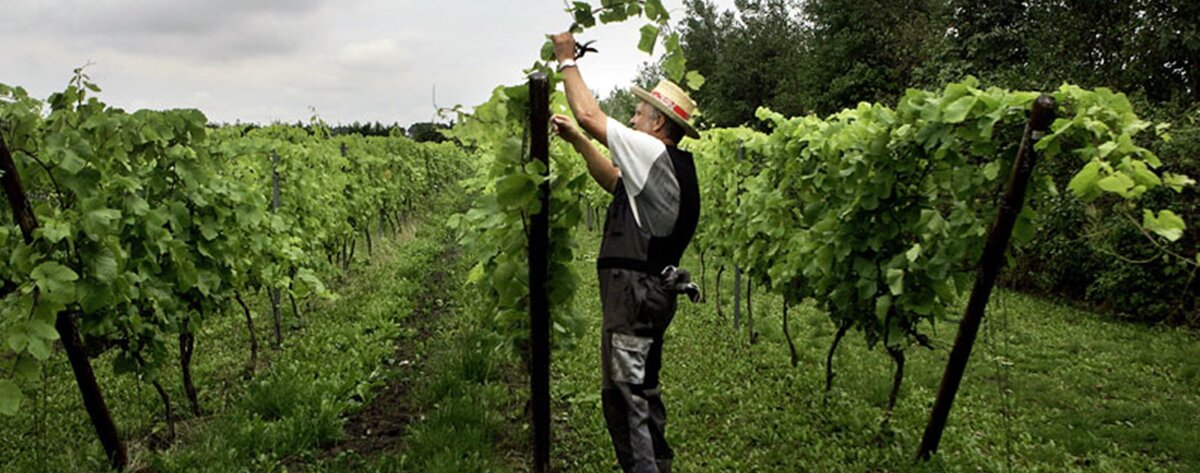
(628, 358)
(656, 307)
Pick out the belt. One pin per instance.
(675, 280)
(614, 262)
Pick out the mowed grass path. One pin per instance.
(293, 409)
(1049, 388)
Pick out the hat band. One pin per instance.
(671, 103)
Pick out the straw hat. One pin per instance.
(672, 101)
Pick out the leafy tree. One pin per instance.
(1149, 48)
(427, 132)
(368, 129)
(865, 50)
(748, 60)
(619, 104)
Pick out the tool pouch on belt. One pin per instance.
(678, 281)
(671, 280)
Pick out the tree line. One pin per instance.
(821, 56)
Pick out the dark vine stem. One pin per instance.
(897, 355)
(720, 272)
(829, 373)
(57, 189)
(753, 336)
(1124, 258)
(788, 334)
(251, 363)
(1156, 243)
(1193, 286)
(168, 412)
(187, 345)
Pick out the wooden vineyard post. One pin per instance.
(737, 270)
(989, 268)
(85, 377)
(271, 289)
(539, 265)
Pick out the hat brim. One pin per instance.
(688, 129)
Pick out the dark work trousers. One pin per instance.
(637, 312)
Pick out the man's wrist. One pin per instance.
(574, 138)
(563, 64)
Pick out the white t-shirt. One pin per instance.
(648, 176)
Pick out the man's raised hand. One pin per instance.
(564, 46)
(565, 127)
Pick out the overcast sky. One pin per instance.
(268, 60)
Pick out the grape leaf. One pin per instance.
(913, 253)
(1167, 224)
(1118, 183)
(53, 277)
(1083, 184)
(97, 223)
(41, 329)
(10, 398)
(694, 80)
(1177, 181)
(674, 65)
(991, 170)
(655, 11)
(883, 304)
(957, 110)
(895, 278)
(649, 37)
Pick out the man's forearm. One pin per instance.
(601, 169)
(583, 104)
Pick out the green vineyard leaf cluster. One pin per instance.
(880, 214)
(152, 221)
(495, 229)
(658, 29)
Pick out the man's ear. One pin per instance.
(661, 123)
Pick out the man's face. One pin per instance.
(642, 118)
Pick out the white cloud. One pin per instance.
(264, 60)
(367, 52)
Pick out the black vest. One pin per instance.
(627, 246)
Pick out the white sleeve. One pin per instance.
(634, 153)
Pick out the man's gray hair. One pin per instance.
(673, 131)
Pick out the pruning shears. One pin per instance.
(581, 49)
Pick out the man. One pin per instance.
(653, 215)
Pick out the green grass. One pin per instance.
(469, 403)
(290, 413)
(1049, 388)
(468, 391)
(294, 408)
